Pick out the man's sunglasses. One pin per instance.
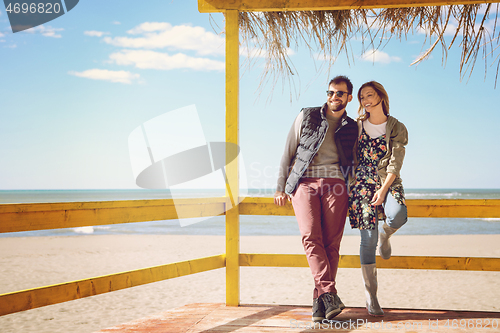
(339, 94)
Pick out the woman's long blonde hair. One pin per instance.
(380, 90)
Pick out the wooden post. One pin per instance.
(232, 136)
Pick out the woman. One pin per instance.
(376, 188)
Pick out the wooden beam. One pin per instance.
(38, 297)
(460, 208)
(232, 136)
(441, 263)
(273, 260)
(265, 206)
(39, 216)
(212, 6)
(396, 262)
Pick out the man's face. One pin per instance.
(335, 103)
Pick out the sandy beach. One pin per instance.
(38, 261)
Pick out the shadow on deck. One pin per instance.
(280, 318)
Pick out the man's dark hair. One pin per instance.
(340, 79)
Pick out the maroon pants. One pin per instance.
(320, 206)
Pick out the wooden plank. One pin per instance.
(232, 136)
(451, 208)
(458, 208)
(441, 263)
(212, 6)
(38, 216)
(396, 262)
(265, 206)
(203, 317)
(28, 217)
(37, 207)
(273, 260)
(38, 297)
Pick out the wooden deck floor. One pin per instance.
(278, 318)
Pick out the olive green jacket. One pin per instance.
(396, 139)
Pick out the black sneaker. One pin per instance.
(339, 302)
(318, 311)
(332, 306)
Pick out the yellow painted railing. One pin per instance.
(38, 297)
(232, 136)
(25, 217)
(39, 216)
(460, 208)
(396, 262)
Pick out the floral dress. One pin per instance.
(362, 214)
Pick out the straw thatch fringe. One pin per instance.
(330, 33)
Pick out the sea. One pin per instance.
(249, 225)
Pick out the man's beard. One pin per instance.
(338, 107)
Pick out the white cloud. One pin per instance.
(372, 22)
(106, 75)
(1, 35)
(116, 22)
(451, 28)
(156, 35)
(46, 31)
(324, 57)
(490, 26)
(94, 33)
(415, 57)
(147, 59)
(482, 8)
(453, 24)
(252, 52)
(379, 56)
(150, 27)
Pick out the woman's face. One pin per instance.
(369, 98)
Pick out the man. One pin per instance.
(313, 171)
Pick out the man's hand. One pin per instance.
(280, 198)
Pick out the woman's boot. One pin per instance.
(385, 246)
(370, 280)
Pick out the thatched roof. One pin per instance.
(473, 29)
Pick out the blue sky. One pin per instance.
(72, 91)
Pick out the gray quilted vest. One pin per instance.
(313, 132)
(314, 128)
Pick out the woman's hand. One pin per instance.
(379, 197)
(280, 198)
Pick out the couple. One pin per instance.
(323, 148)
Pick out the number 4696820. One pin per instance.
(40, 8)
